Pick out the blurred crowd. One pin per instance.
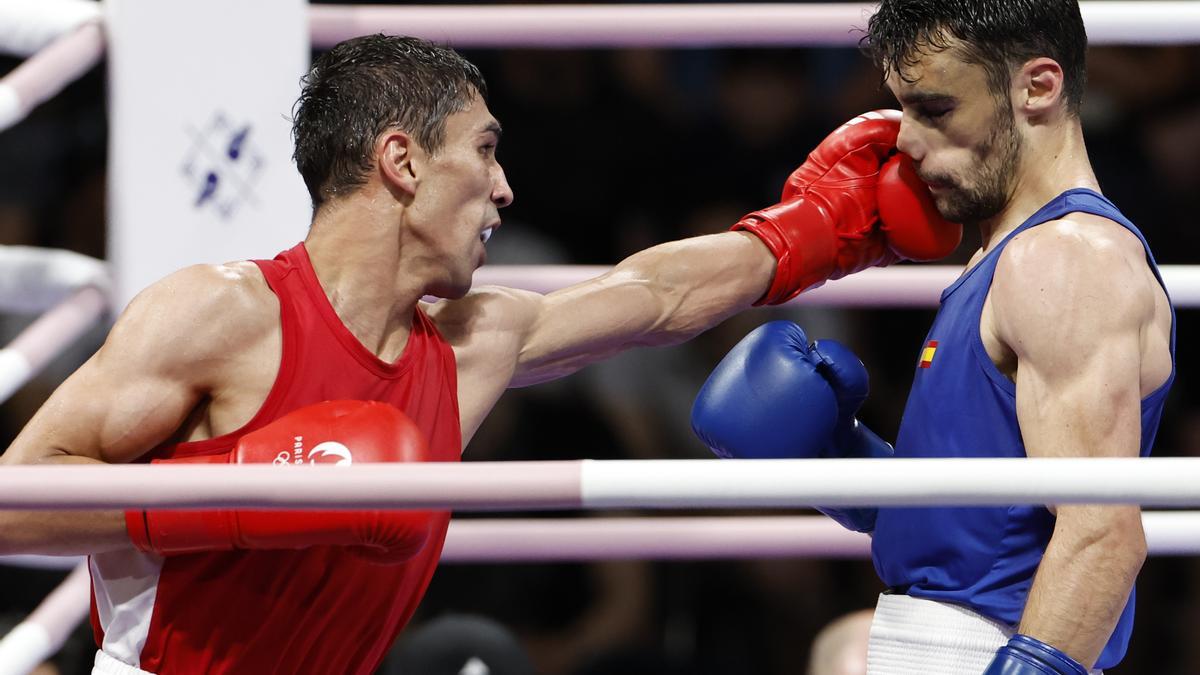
(612, 151)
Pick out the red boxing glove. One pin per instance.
(908, 217)
(334, 432)
(824, 226)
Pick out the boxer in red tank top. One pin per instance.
(406, 190)
(232, 597)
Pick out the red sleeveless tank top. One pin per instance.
(318, 610)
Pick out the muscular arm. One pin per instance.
(662, 295)
(1074, 309)
(504, 337)
(133, 394)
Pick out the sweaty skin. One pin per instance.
(195, 355)
(1075, 316)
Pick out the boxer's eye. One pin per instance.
(935, 112)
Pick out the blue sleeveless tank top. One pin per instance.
(961, 405)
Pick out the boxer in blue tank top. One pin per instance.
(1057, 341)
(963, 404)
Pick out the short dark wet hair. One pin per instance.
(361, 88)
(999, 35)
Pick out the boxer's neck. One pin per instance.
(1054, 159)
(370, 282)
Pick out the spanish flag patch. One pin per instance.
(927, 354)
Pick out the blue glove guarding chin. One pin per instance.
(775, 396)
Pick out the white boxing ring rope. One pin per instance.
(485, 540)
(47, 337)
(33, 279)
(65, 39)
(27, 26)
(578, 540)
(49, 71)
(896, 286)
(43, 632)
(71, 289)
(610, 484)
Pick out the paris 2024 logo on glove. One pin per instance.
(329, 452)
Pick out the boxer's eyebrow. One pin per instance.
(919, 97)
(495, 128)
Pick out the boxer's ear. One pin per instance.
(395, 151)
(1038, 87)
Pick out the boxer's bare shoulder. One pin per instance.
(179, 342)
(1079, 278)
(198, 318)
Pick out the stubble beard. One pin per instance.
(993, 180)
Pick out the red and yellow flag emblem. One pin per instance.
(927, 353)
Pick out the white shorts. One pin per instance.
(107, 665)
(915, 636)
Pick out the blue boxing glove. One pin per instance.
(1024, 655)
(851, 438)
(774, 396)
(766, 399)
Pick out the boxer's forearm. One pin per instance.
(694, 284)
(662, 295)
(1085, 579)
(62, 532)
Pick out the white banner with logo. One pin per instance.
(200, 99)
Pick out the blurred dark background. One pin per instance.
(612, 151)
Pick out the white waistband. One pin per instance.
(107, 665)
(915, 636)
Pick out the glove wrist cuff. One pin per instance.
(177, 532)
(1025, 655)
(800, 234)
(138, 530)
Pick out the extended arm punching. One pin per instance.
(827, 225)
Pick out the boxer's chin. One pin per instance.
(450, 289)
(966, 206)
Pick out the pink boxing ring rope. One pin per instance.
(642, 25)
